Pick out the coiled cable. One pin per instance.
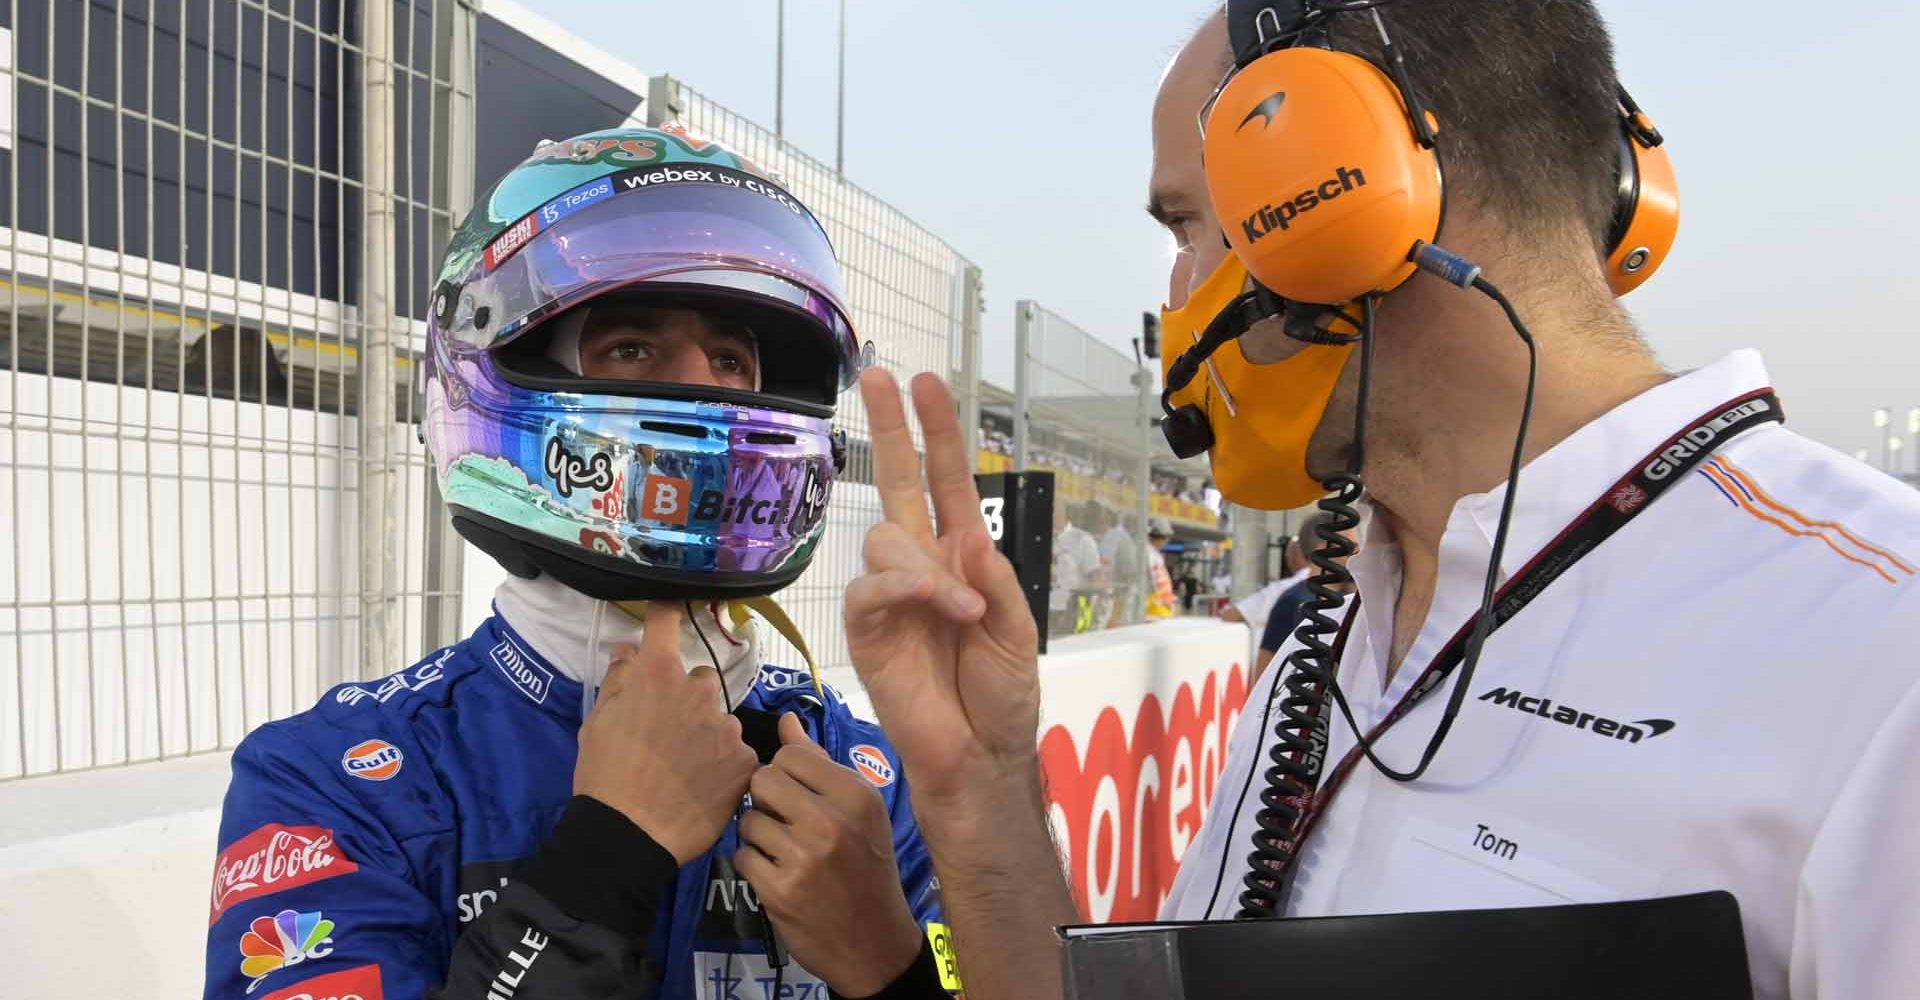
(1300, 751)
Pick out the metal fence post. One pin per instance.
(1249, 548)
(379, 638)
(663, 100)
(967, 380)
(1023, 315)
(1143, 412)
(452, 147)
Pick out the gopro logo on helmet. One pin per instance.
(1268, 218)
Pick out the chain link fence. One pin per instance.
(1081, 409)
(218, 219)
(1084, 410)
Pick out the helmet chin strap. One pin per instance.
(738, 612)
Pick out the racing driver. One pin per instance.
(636, 344)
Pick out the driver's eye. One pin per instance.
(632, 350)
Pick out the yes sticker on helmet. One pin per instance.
(871, 762)
(287, 938)
(570, 472)
(372, 760)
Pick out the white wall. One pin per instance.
(177, 569)
(104, 880)
(104, 875)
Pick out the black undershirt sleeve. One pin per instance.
(575, 922)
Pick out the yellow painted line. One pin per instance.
(344, 352)
(110, 305)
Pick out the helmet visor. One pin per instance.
(703, 225)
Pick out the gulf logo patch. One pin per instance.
(872, 764)
(374, 760)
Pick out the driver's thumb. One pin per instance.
(792, 732)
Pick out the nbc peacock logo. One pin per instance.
(285, 939)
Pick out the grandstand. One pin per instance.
(1093, 455)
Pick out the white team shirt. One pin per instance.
(1766, 607)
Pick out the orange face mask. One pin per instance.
(1262, 415)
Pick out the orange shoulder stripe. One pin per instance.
(1721, 476)
(1761, 495)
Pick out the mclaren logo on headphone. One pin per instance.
(1265, 110)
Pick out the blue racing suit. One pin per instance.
(418, 837)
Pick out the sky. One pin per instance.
(1017, 131)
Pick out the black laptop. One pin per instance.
(1676, 948)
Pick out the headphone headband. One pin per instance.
(1255, 27)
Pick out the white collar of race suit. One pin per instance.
(558, 622)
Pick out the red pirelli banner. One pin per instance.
(1134, 733)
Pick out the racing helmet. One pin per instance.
(638, 490)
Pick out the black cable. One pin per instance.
(1300, 747)
(766, 922)
(1483, 619)
(712, 657)
(1299, 750)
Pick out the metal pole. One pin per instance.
(1022, 338)
(969, 374)
(1143, 413)
(1249, 549)
(1881, 418)
(1913, 432)
(663, 100)
(780, 69)
(453, 143)
(840, 111)
(379, 641)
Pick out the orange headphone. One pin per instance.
(1322, 169)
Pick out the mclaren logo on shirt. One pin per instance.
(1599, 725)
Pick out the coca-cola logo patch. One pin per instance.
(272, 859)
